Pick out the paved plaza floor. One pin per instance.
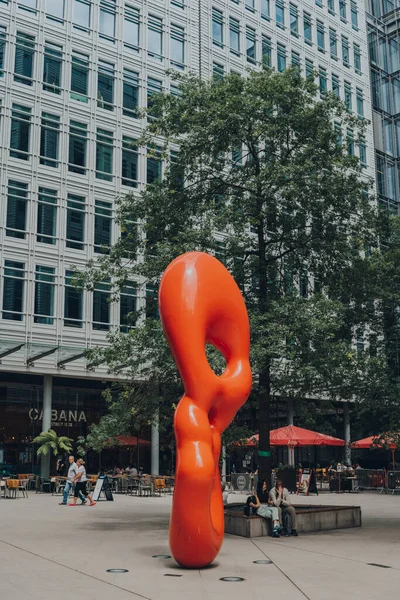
(58, 552)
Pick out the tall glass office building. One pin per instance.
(74, 75)
(384, 51)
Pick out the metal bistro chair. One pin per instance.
(59, 486)
(133, 486)
(146, 486)
(23, 487)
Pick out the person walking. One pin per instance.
(72, 471)
(80, 481)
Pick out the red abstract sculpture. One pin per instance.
(200, 303)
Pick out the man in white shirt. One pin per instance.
(72, 471)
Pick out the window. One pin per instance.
(333, 43)
(362, 150)
(280, 13)
(265, 9)
(318, 3)
(307, 28)
(357, 58)
(338, 130)
(281, 55)
(102, 226)
(44, 295)
(217, 27)
(345, 51)
(294, 19)
(107, 20)
(177, 46)
(47, 216)
(104, 154)
(73, 301)
(20, 132)
(129, 162)
(296, 62)
(75, 222)
(24, 53)
(105, 86)
(234, 36)
(360, 103)
(130, 94)
(154, 87)
(77, 147)
(81, 15)
(335, 85)
(342, 9)
(17, 198)
(266, 51)
(331, 6)
(347, 95)
(52, 68)
(49, 137)
(154, 38)
(218, 71)
(251, 44)
(127, 306)
(151, 303)
(309, 69)
(354, 15)
(55, 9)
(323, 81)
(131, 28)
(249, 4)
(29, 5)
(13, 290)
(350, 142)
(321, 36)
(101, 306)
(79, 77)
(154, 165)
(2, 49)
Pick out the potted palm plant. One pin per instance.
(49, 442)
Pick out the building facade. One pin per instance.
(384, 50)
(74, 76)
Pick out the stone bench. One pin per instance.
(309, 518)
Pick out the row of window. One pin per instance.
(14, 288)
(384, 51)
(388, 177)
(251, 48)
(132, 34)
(20, 142)
(385, 92)
(282, 62)
(52, 77)
(345, 9)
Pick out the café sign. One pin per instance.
(60, 418)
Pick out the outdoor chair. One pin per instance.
(146, 487)
(45, 484)
(23, 487)
(59, 486)
(133, 486)
(12, 488)
(159, 487)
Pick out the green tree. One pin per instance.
(257, 172)
(49, 442)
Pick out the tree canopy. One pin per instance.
(260, 171)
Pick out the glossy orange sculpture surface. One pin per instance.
(201, 304)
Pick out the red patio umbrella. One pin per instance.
(376, 441)
(297, 436)
(131, 440)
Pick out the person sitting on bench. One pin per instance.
(279, 497)
(265, 508)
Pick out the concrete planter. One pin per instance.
(309, 518)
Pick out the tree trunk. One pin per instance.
(264, 446)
